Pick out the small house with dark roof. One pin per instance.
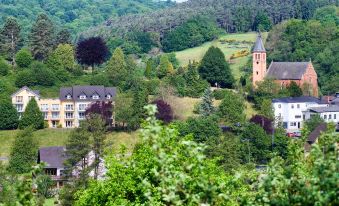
(313, 137)
(329, 114)
(302, 73)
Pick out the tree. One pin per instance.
(264, 122)
(4, 67)
(257, 148)
(43, 76)
(215, 69)
(140, 100)
(232, 108)
(294, 90)
(117, 68)
(10, 38)
(206, 106)
(173, 170)
(150, 69)
(24, 58)
(202, 128)
(227, 150)
(42, 37)
(32, 116)
(103, 109)
(63, 37)
(194, 84)
(91, 51)
(25, 78)
(123, 109)
(313, 122)
(262, 22)
(266, 108)
(164, 111)
(165, 67)
(63, 57)
(9, 118)
(23, 152)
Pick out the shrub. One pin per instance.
(219, 94)
(24, 58)
(165, 112)
(4, 67)
(25, 78)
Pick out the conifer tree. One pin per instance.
(32, 116)
(215, 69)
(165, 67)
(206, 106)
(8, 115)
(195, 85)
(63, 37)
(10, 38)
(149, 73)
(117, 67)
(23, 152)
(42, 37)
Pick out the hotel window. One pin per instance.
(335, 116)
(69, 107)
(325, 116)
(45, 115)
(83, 97)
(69, 115)
(19, 99)
(55, 107)
(95, 97)
(55, 115)
(298, 106)
(19, 107)
(292, 106)
(329, 116)
(82, 107)
(44, 107)
(81, 115)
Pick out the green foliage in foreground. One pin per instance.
(163, 170)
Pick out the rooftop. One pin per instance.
(296, 99)
(259, 45)
(89, 91)
(287, 70)
(331, 108)
(54, 157)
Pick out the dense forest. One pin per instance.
(75, 15)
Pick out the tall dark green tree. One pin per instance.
(10, 39)
(9, 118)
(23, 152)
(195, 85)
(140, 100)
(117, 68)
(232, 108)
(32, 117)
(42, 37)
(63, 37)
(215, 69)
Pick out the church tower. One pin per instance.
(259, 61)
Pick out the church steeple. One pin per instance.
(259, 61)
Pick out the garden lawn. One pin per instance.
(197, 53)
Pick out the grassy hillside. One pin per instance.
(243, 41)
(58, 137)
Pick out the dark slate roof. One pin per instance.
(335, 101)
(54, 157)
(287, 70)
(259, 45)
(296, 99)
(332, 108)
(89, 91)
(314, 135)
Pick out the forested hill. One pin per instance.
(231, 15)
(75, 15)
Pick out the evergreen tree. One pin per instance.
(63, 37)
(165, 67)
(294, 90)
(262, 22)
(32, 116)
(206, 106)
(117, 67)
(42, 37)
(4, 67)
(10, 38)
(195, 85)
(9, 118)
(215, 69)
(23, 58)
(232, 108)
(149, 70)
(140, 100)
(23, 152)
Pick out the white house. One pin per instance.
(289, 110)
(328, 114)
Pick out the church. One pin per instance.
(283, 73)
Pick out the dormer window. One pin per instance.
(95, 96)
(68, 96)
(109, 96)
(82, 97)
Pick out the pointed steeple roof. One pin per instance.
(259, 45)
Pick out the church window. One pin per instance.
(257, 73)
(257, 62)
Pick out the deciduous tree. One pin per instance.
(24, 58)
(92, 51)
(232, 108)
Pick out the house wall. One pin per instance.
(24, 96)
(328, 117)
(51, 109)
(291, 114)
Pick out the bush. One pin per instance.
(43, 75)
(23, 58)
(165, 112)
(101, 79)
(25, 78)
(4, 67)
(219, 94)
